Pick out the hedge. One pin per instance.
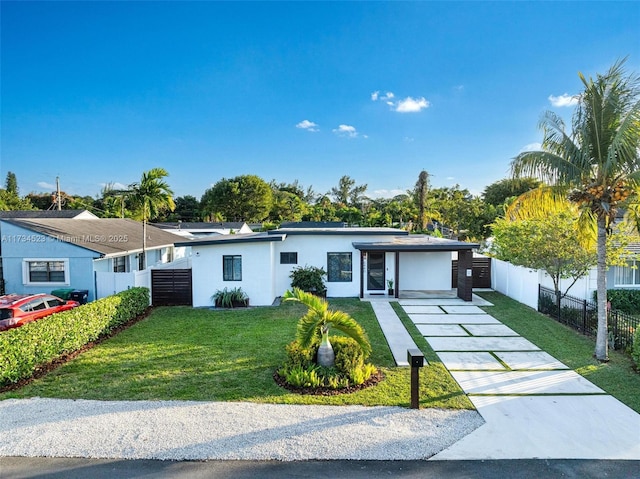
(24, 349)
(635, 349)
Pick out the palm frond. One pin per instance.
(540, 202)
(349, 326)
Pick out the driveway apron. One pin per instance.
(534, 406)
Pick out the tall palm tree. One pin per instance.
(313, 327)
(151, 195)
(597, 164)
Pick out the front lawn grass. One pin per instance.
(616, 377)
(181, 353)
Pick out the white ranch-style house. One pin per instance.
(358, 262)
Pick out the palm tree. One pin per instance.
(151, 196)
(597, 163)
(313, 327)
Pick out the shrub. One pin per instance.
(635, 349)
(230, 298)
(309, 279)
(300, 369)
(625, 300)
(23, 350)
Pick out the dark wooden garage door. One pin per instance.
(171, 287)
(481, 273)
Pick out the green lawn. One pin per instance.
(183, 353)
(616, 377)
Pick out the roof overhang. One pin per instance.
(416, 244)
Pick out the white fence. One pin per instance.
(522, 283)
(108, 284)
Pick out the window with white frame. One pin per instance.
(339, 267)
(627, 275)
(232, 268)
(50, 271)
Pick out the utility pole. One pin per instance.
(58, 197)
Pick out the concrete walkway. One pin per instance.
(534, 406)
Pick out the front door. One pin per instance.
(375, 271)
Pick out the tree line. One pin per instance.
(450, 211)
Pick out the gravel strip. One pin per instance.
(186, 430)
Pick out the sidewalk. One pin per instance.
(534, 406)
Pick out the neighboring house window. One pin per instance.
(339, 267)
(627, 276)
(46, 271)
(120, 264)
(232, 268)
(141, 261)
(288, 258)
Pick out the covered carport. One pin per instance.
(423, 244)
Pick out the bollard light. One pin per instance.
(416, 361)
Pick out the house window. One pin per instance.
(339, 267)
(141, 261)
(288, 258)
(46, 271)
(232, 268)
(627, 275)
(120, 264)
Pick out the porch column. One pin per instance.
(465, 275)
(397, 273)
(362, 274)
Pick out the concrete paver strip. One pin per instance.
(458, 309)
(471, 343)
(441, 330)
(490, 330)
(530, 360)
(524, 382)
(422, 309)
(550, 427)
(453, 319)
(470, 361)
(397, 336)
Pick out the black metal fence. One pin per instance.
(582, 315)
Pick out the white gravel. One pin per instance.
(185, 430)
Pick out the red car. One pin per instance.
(19, 309)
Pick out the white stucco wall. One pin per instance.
(206, 264)
(430, 271)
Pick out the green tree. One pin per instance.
(11, 184)
(348, 193)
(548, 243)
(150, 197)
(187, 209)
(243, 198)
(597, 163)
(499, 192)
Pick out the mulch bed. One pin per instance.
(65, 358)
(324, 391)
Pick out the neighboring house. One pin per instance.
(358, 262)
(203, 229)
(40, 214)
(626, 276)
(40, 255)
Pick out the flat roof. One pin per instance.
(230, 239)
(361, 231)
(416, 243)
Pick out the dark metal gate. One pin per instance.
(481, 273)
(171, 287)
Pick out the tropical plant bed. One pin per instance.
(326, 391)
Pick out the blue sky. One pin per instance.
(98, 92)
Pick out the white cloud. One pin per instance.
(563, 100)
(407, 105)
(346, 131)
(46, 186)
(531, 147)
(411, 105)
(307, 125)
(388, 193)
